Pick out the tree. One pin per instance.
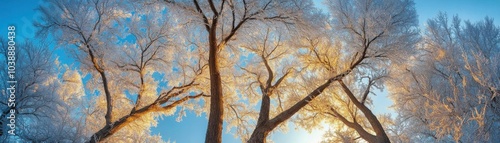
(371, 36)
(267, 62)
(454, 78)
(222, 21)
(38, 106)
(373, 46)
(322, 59)
(265, 72)
(122, 77)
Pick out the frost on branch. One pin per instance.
(451, 92)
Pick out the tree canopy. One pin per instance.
(253, 67)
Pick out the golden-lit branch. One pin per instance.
(381, 136)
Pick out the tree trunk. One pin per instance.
(261, 131)
(109, 100)
(380, 135)
(214, 129)
(382, 139)
(102, 73)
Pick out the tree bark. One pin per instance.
(380, 135)
(215, 120)
(264, 110)
(110, 129)
(259, 135)
(102, 73)
(354, 125)
(109, 101)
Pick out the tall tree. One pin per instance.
(223, 21)
(371, 35)
(122, 51)
(450, 92)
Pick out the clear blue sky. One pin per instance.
(192, 128)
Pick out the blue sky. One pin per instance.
(192, 128)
